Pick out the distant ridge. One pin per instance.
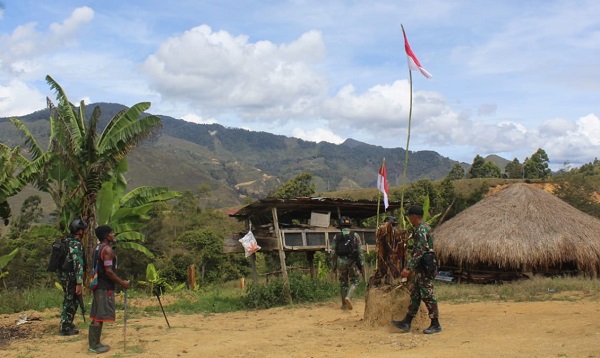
(236, 162)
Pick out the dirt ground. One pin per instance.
(497, 329)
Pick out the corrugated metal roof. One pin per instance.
(300, 208)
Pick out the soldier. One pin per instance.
(422, 286)
(347, 260)
(71, 278)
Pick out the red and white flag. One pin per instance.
(382, 184)
(413, 62)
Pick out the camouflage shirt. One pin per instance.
(422, 242)
(76, 257)
(359, 260)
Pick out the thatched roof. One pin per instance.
(521, 226)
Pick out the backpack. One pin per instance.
(93, 285)
(344, 244)
(59, 257)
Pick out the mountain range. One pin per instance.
(229, 164)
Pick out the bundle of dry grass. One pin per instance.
(518, 227)
(386, 303)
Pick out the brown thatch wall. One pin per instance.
(521, 226)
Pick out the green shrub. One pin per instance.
(302, 288)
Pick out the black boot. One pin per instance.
(94, 340)
(100, 346)
(404, 324)
(434, 327)
(68, 329)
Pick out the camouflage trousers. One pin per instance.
(70, 304)
(422, 290)
(349, 274)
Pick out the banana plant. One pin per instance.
(4, 261)
(80, 158)
(127, 213)
(158, 285)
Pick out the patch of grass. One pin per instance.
(536, 289)
(37, 299)
(230, 297)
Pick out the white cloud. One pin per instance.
(317, 135)
(193, 118)
(25, 44)
(18, 99)
(260, 80)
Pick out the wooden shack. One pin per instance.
(304, 224)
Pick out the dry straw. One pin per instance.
(521, 226)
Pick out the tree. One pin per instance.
(514, 169)
(490, 170)
(476, 170)
(536, 167)
(302, 185)
(79, 160)
(457, 172)
(206, 247)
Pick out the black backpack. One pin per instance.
(344, 244)
(58, 257)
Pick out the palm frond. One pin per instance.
(131, 236)
(32, 144)
(136, 247)
(123, 118)
(90, 150)
(146, 194)
(126, 137)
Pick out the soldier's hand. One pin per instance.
(78, 289)
(405, 272)
(125, 285)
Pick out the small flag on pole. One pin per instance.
(413, 62)
(382, 184)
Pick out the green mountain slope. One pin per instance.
(236, 163)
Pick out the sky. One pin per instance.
(509, 76)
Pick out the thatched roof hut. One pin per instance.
(521, 228)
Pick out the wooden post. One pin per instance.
(192, 277)
(284, 273)
(242, 283)
(310, 255)
(253, 266)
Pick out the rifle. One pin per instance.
(81, 304)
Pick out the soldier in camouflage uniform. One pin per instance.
(422, 286)
(71, 279)
(349, 265)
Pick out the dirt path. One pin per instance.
(540, 329)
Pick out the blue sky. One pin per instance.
(510, 76)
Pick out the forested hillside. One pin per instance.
(231, 163)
